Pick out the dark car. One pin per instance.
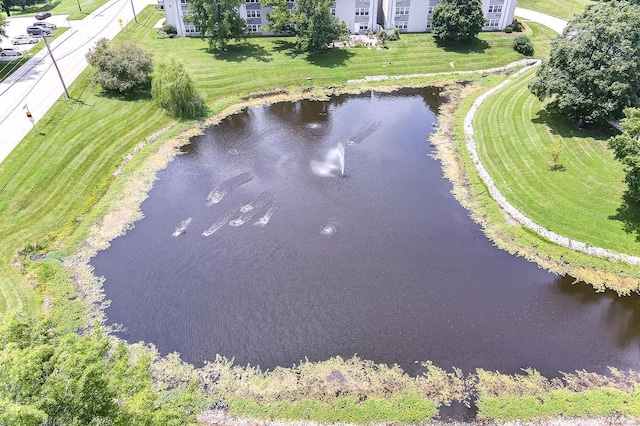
(38, 31)
(42, 15)
(46, 25)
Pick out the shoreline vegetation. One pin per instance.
(64, 288)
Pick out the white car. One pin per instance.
(8, 51)
(24, 39)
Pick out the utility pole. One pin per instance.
(134, 12)
(56, 65)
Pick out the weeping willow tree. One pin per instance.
(173, 89)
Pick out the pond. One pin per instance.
(254, 246)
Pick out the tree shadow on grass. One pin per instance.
(330, 58)
(289, 48)
(39, 7)
(567, 128)
(629, 214)
(241, 52)
(133, 96)
(473, 46)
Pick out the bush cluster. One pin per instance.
(167, 31)
(522, 44)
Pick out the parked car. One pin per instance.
(45, 25)
(42, 15)
(24, 39)
(9, 51)
(38, 31)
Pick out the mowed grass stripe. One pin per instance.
(581, 202)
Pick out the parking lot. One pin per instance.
(18, 26)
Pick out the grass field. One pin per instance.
(560, 9)
(52, 178)
(60, 7)
(584, 198)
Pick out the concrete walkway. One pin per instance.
(36, 84)
(556, 24)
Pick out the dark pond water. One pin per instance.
(382, 262)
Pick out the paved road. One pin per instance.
(556, 24)
(37, 84)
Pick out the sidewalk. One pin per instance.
(37, 85)
(556, 24)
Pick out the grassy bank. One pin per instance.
(581, 197)
(560, 9)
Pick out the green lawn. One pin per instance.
(60, 7)
(562, 9)
(51, 179)
(584, 201)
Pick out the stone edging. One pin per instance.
(521, 62)
(509, 208)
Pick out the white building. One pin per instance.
(361, 16)
(415, 15)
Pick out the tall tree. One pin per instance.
(121, 67)
(593, 71)
(67, 379)
(218, 21)
(173, 89)
(310, 20)
(626, 148)
(457, 20)
(3, 25)
(6, 6)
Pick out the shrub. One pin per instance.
(457, 20)
(121, 67)
(173, 89)
(508, 29)
(169, 29)
(395, 36)
(522, 44)
(516, 25)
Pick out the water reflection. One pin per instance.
(278, 264)
(621, 314)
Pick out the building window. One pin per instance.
(364, 27)
(495, 8)
(428, 25)
(333, 11)
(253, 13)
(252, 1)
(492, 23)
(431, 9)
(187, 12)
(402, 10)
(402, 25)
(189, 28)
(362, 11)
(254, 28)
